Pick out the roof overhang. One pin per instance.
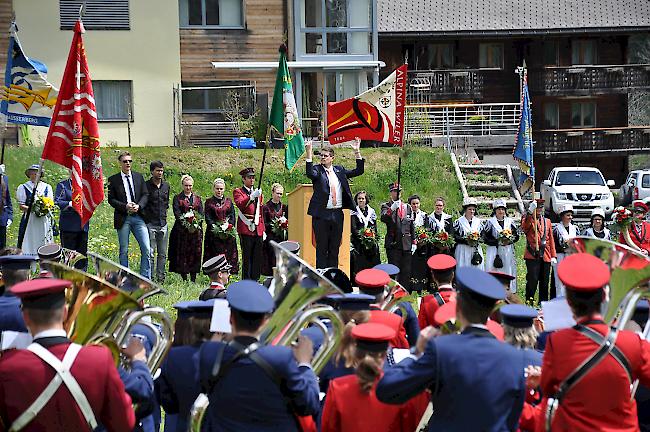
(310, 64)
(513, 32)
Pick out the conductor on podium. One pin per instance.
(331, 195)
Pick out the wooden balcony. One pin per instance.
(589, 80)
(632, 139)
(427, 86)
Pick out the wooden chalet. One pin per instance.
(584, 59)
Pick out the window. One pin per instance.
(491, 55)
(211, 13)
(583, 114)
(436, 56)
(213, 97)
(551, 118)
(591, 178)
(550, 53)
(335, 27)
(583, 52)
(645, 181)
(113, 100)
(99, 14)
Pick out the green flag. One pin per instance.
(284, 114)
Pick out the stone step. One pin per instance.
(488, 186)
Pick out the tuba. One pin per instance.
(628, 283)
(297, 288)
(395, 298)
(99, 312)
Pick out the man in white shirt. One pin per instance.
(331, 195)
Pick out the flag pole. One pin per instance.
(399, 175)
(258, 207)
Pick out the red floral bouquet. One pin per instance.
(191, 221)
(224, 229)
(442, 240)
(280, 227)
(422, 236)
(369, 240)
(622, 217)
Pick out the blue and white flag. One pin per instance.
(26, 97)
(523, 150)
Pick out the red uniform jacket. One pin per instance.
(348, 409)
(640, 237)
(400, 340)
(430, 305)
(23, 377)
(242, 200)
(544, 230)
(600, 401)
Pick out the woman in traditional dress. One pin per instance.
(597, 227)
(468, 251)
(220, 210)
(39, 228)
(562, 232)
(420, 278)
(362, 217)
(500, 254)
(639, 229)
(275, 213)
(440, 221)
(185, 240)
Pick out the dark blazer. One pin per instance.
(318, 177)
(7, 211)
(469, 394)
(399, 232)
(69, 219)
(117, 196)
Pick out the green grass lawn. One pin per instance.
(427, 172)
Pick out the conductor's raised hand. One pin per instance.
(309, 148)
(356, 146)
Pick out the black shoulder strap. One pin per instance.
(439, 299)
(616, 353)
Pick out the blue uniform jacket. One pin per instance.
(69, 220)
(177, 384)
(411, 323)
(8, 208)
(247, 399)
(11, 317)
(477, 382)
(138, 383)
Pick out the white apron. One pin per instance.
(507, 253)
(464, 252)
(39, 229)
(589, 232)
(560, 290)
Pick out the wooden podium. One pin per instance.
(300, 229)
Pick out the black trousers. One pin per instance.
(78, 241)
(3, 237)
(537, 273)
(251, 251)
(328, 233)
(402, 259)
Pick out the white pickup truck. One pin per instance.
(582, 187)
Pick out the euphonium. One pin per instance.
(628, 283)
(393, 301)
(296, 289)
(100, 312)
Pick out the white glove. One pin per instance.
(69, 204)
(532, 207)
(256, 193)
(396, 205)
(9, 222)
(553, 260)
(413, 248)
(2, 169)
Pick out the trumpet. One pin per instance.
(101, 313)
(297, 289)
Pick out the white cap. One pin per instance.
(470, 201)
(499, 202)
(598, 212)
(566, 208)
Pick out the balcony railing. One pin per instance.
(433, 85)
(589, 80)
(427, 121)
(630, 139)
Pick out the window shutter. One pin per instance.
(99, 14)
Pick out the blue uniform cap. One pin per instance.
(516, 315)
(353, 302)
(200, 308)
(16, 262)
(249, 296)
(476, 281)
(338, 278)
(146, 334)
(391, 269)
(182, 309)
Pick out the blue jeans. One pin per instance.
(134, 224)
(158, 238)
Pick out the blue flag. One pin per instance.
(523, 150)
(27, 97)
